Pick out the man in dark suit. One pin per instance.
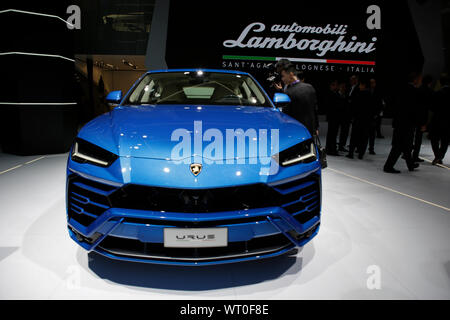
(404, 121)
(332, 105)
(363, 113)
(303, 106)
(346, 118)
(344, 115)
(375, 122)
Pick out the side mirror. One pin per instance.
(281, 99)
(114, 97)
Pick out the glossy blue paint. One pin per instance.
(114, 96)
(141, 137)
(281, 98)
(145, 131)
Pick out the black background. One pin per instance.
(197, 30)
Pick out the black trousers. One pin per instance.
(417, 142)
(344, 125)
(439, 144)
(378, 126)
(333, 128)
(359, 137)
(372, 135)
(402, 139)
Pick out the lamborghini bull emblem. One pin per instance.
(196, 168)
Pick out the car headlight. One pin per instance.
(86, 152)
(303, 152)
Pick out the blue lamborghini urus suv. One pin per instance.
(193, 167)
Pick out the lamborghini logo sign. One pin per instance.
(196, 168)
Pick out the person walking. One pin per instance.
(404, 122)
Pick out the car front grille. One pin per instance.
(123, 247)
(135, 248)
(243, 197)
(193, 200)
(88, 199)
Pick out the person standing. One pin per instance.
(303, 106)
(362, 110)
(439, 127)
(344, 116)
(347, 117)
(379, 119)
(425, 98)
(354, 86)
(375, 122)
(404, 122)
(332, 102)
(279, 66)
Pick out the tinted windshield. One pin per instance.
(197, 87)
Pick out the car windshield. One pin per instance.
(198, 87)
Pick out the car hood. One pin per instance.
(152, 131)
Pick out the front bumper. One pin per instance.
(289, 216)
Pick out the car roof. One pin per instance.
(198, 69)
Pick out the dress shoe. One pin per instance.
(390, 170)
(418, 160)
(360, 156)
(350, 156)
(436, 161)
(372, 152)
(413, 166)
(343, 149)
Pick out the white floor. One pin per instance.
(378, 229)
